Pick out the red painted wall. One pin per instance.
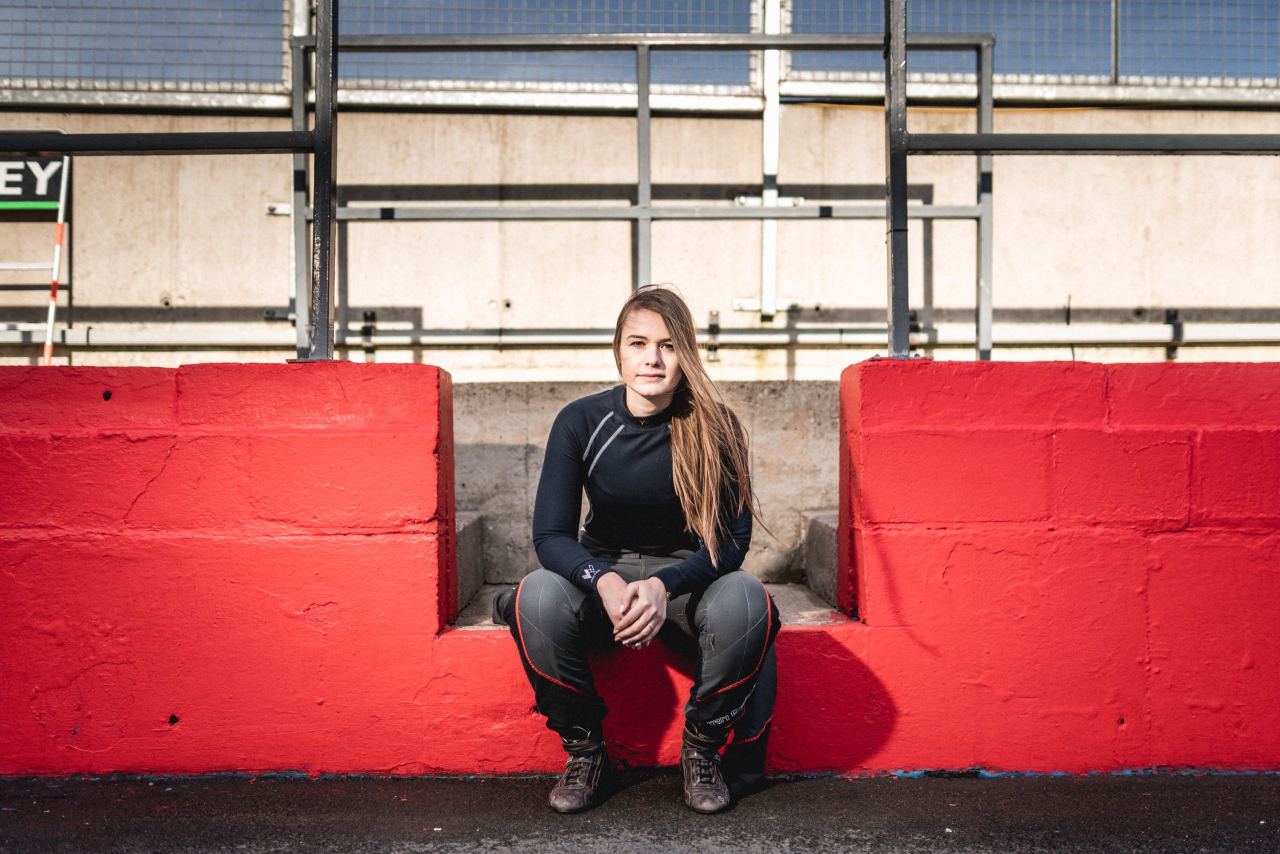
(1078, 564)
(221, 567)
(1058, 567)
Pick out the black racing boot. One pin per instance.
(502, 604)
(585, 777)
(704, 788)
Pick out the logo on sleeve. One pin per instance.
(589, 572)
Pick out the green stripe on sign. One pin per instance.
(28, 206)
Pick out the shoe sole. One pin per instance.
(707, 812)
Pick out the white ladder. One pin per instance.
(54, 267)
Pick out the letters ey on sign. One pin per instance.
(31, 183)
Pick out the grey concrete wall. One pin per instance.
(185, 243)
(500, 432)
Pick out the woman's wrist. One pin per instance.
(604, 580)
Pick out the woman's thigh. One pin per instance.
(557, 611)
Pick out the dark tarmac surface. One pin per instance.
(1138, 813)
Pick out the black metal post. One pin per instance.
(895, 105)
(1115, 41)
(298, 209)
(323, 226)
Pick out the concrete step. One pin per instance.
(797, 604)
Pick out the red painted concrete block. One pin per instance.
(79, 482)
(370, 481)
(333, 396)
(837, 717)
(1215, 650)
(957, 476)
(1125, 477)
(186, 654)
(469, 727)
(921, 393)
(303, 481)
(1201, 395)
(203, 484)
(1043, 631)
(975, 574)
(68, 399)
(1237, 478)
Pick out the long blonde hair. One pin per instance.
(709, 456)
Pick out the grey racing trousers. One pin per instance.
(728, 630)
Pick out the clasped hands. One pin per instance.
(637, 609)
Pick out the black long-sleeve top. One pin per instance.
(624, 463)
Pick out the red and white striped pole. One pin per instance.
(59, 232)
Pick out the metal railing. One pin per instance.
(986, 143)
(642, 213)
(314, 295)
(318, 142)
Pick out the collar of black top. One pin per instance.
(621, 412)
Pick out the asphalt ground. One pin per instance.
(1130, 813)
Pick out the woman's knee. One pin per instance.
(548, 601)
(737, 605)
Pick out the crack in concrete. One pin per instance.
(342, 387)
(1108, 418)
(164, 464)
(37, 691)
(12, 447)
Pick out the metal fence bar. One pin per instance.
(674, 41)
(324, 224)
(868, 336)
(644, 178)
(983, 298)
(105, 144)
(895, 124)
(634, 213)
(1093, 143)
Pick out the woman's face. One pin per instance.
(648, 360)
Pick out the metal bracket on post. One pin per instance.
(895, 105)
(1172, 318)
(644, 178)
(367, 331)
(713, 336)
(324, 222)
